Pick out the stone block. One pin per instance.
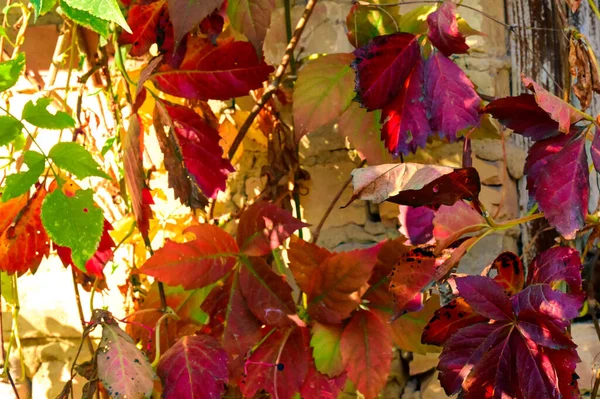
(490, 173)
(491, 150)
(588, 347)
(50, 380)
(423, 363)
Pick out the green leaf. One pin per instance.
(38, 115)
(325, 342)
(104, 9)
(365, 22)
(41, 7)
(10, 128)
(75, 222)
(10, 71)
(19, 183)
(8, 292)
(415, 21)
(86, 19)
(73, 158)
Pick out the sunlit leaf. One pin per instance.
(38, 115)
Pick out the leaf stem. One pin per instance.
(274, 85)
(168, 313)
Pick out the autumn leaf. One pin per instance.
(200, 149)
(594, 150)
(185, 14)
(510, 272)
(367, 352)
(382, 66)
(443, 30)
(364, 23)
(452, 101)
(408, 329)
(452, 222)
(123, 369)
(195, 365)
(252, 18)
(279, 365)
(559, 110)
(414, 184)
(230, 69)
(447, 320)
(416, 224)
(23, 240)
(196, 263)
(325, 342)
(404, 122)
(263, 227)
(145, 21)
(320, 386)
(305, 259)
(323, 92)
(523, 115)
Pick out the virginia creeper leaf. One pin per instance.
(199, 144)
(414, 184)
(319, 386)
(523, 115)
(263, 227)
(452, 101)
(407, 330)
(485, 297)
(405, 125)
(10, 129)
(416, 224)
(196, 263)
(325, 342)
(363, 23)
(196, 366)
(559, 110)
(23, 240)
(38, 115)
(305, 259)
(102, 256)
(41, 7)
(72, 219)
(75, 159)
(510, 272)
(252, 18)
(84, 18)
(382, 66)
(104, 9)
(144, 20)
(10, 71)
(322, 93)
(230, 69)
(19, 183)
(446, 321)
(555, 265)
(186, 14)
(415, 20)
(279, 365)
(559, 183)
(452, 222)
(123, 369)
(135, 177)
(443, 30)
(268, 296)
(595, 150)
(367, 352)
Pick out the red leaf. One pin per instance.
(535, 327)
(555, 265)
(414, 184)
(382, 66)
(452, 101)
(559, 179)
(268, 296)
(23, 240)
(305, 259)
(405, 126)
(511, 274)
(144, 21)
(485, 297)
(367, 352)
(443, 30)
(252, 18)
(186, 14)
(559, 110)
(541, 298)
(196, 263)
(408, 329)
(202, 154)
(541, 379)
(263, 227)
(447, 320)
(279, 365)
(523, 115)
(452, 222)
(195, 367)
(411, 274)
(595, 150)
(230, 69)
(319, 386)
(416, 224)
(101, 257)
(135, 177)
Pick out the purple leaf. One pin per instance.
(541, 298)
(453, 102)
(382, 66)
(195, 367)
(485, 296)
(555, 265)
(540, 380)
(443, 30)
(595, 150)
(416, 224)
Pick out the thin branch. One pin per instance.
(332, 204)
(285, 61)
(80, 310)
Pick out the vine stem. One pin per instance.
(80, 310)
(335, 199)
(285, 61)
(168, 313)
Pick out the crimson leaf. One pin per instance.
(186, 14)
(145, 21)
(443, 30)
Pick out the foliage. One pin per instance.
(241, 303)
